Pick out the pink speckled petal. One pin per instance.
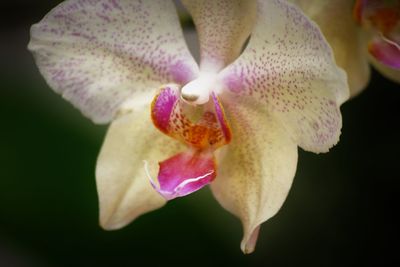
(338, 25)
(385, 51)
(185, 173)
(289, 67)
(222, 26)
(100, 53)
(122, 181)
(255, 171)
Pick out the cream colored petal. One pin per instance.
(99, 53)
(289, 67)
(390, 73)
(347, 39)
(222, 26)
(122, 183)
(255, 170)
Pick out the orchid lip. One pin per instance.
(386, 51)
(390, 41)
(178, 191)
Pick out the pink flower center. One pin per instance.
(203, 128)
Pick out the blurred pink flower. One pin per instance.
(360, 32)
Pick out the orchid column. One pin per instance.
(234, 121)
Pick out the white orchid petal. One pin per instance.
(256, 169)
(348, 41)
(122, 179)
(289, 67)
(99, 53)
(223, 26)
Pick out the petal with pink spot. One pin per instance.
(99, 54)
(288, 66)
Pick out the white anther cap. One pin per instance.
(198, 91)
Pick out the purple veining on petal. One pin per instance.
(185, 173)
(222, 118)
(162, 107)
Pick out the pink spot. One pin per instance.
(234, 82)
(181, 73)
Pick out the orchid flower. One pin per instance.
(360, 32)
(234, 121)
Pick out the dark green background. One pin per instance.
(340, 212)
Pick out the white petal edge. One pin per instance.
(347, 39)
(223, 27)
(99, 53)
(256, 170)
(123, 186)
(289, 67)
